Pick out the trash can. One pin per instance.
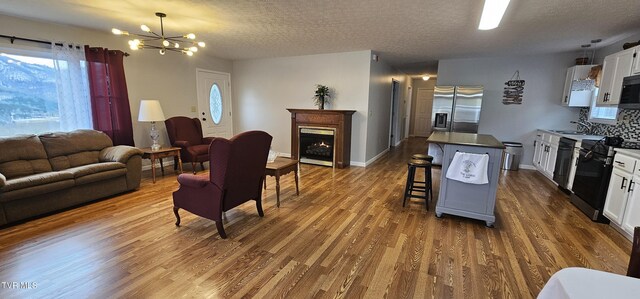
(511, 155)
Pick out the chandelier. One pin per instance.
(185, 44)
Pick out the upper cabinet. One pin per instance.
(578, 90)
(616, 66)
(635, 70)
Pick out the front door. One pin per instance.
(214, 103)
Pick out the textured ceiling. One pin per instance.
(409, 34)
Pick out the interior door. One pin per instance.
(424, 102)
(214, 103)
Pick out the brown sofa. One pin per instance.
(50, 172)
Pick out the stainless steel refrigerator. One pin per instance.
(455, 109)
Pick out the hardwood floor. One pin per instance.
(345, 236)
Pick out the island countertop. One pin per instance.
(468, 139)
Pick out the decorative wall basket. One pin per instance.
(513, 90)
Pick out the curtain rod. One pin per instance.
(14, 38)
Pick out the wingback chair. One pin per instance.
(186, 133)
(236, 176)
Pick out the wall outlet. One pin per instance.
(193, 108)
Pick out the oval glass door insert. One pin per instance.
(215, 103)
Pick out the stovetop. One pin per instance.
(597, 146)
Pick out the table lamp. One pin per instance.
(151, 111)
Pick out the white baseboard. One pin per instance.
(286, 155)
(527, 166)
(376, 158)
(358, 164)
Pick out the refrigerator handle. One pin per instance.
(453, 108)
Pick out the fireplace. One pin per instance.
(330, 134)
(317, 145)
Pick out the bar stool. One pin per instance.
(418, 186)
(427, 171)
(422, 157)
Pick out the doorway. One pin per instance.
(393, 134)
(214, 103)
(424, 106)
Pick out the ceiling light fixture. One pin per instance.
(492, 13)
(160, 41)
(425, 77)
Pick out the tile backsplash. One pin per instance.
(628, 126)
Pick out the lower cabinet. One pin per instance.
(617, 196)
(622, 205)
(631, 217)
(545, 153)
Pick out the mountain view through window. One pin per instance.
(28, 100)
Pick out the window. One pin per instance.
(30, 92)
(215, 103)
(604, 115)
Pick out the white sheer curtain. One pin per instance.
(72, 84)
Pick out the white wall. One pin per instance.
(544, 82)
(380, 97)
(264, 88)
(171, 78)
(379, 108)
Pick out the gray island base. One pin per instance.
(463, 199)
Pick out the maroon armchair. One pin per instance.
(236, 176)
(186, 133)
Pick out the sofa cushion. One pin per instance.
(35, 180)
(84, 170)
(97, 172)
(22, 156)
(36, 190)
(71, 149)
(101, 176)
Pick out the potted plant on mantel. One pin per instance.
(322, 95)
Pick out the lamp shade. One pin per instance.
(150, 110)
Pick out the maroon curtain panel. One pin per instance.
(109, 97)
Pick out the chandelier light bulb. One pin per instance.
(176, 45)
(201, 44)
(193, 49)
(165, 43)
(162, 51)
(189, 53)
(190, 36)
(117, 31)
(145, 28)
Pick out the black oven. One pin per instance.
(592, 179)
(630, 96)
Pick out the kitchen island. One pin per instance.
(465, 199)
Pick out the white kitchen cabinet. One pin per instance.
(578, 91)
(616, 66)
(552, 154)
(635, 70)
(631, 217)
(622, 205)
(617, 196)
(545, 153)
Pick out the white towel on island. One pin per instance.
(469, 168)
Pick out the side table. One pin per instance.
(148, 153)
(280, 167)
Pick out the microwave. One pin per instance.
(630, 96)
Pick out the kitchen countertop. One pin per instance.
(469, 139)
(629, 152)
(576, 137)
